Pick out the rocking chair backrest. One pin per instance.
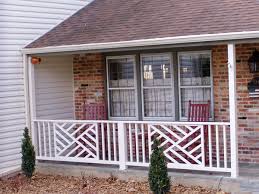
(199, 112)
(95, 111)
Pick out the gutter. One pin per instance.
(145, 42)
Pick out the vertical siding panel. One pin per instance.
(54, 88)
(21, 21)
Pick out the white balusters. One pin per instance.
(202, 146)
(130, 143)
(225, 146)
(44, 138)
(97, 141)
(114, 141)
(39, 139)
(210, 146)
(136, 141)
(109, 141)
(143, 143)
(217, 145)
(44, 147)
(49, 136)
(103, 141)
(55, 139)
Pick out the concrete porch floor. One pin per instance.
(246, 183)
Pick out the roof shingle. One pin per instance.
(124, 20)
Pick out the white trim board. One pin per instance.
(145, 42)
(10, 170)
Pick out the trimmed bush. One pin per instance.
(158, 179)
(28, 155)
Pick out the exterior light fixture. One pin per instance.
(35, 60)
(253, 62)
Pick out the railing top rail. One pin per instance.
(135, 122)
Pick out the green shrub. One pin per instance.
(28, 155)
(158, 179)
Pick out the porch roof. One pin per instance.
(106, 22)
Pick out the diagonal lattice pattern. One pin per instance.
(76, 140)
(182, 144)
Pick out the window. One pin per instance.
(157, 90)
(195, 82)
(122, 86)
(153, 87)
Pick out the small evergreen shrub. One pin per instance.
(28, 155)
(158, 179)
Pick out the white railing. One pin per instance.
(195, 146)
(76, 141)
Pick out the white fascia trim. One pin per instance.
(10, 170)
(145, 42)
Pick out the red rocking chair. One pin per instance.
(199, 113)
(95, 111)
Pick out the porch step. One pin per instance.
(249, 186)
(250, 180)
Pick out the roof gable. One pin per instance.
(123, 20)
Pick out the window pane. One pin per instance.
(156, 70)
(157, 85)
(121, 72)
(157, 102)
(121, 87)
(196, 95)
(194, 69)
(122, 103)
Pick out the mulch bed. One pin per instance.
(84, 185)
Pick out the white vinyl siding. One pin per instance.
(21, 21)
(54, 88)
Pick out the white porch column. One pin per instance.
(233, 109)
(26, 90)
(28, 94)
(31, 86)
(122, 137)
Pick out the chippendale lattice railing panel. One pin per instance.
(92, 142)
(182, 144)
(76, 140)
(194, 146)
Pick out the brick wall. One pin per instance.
(89, 81)
(248, 108)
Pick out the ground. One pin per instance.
(84, 185)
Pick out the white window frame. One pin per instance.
(168, 54)
(127, 88)
(190, 87)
